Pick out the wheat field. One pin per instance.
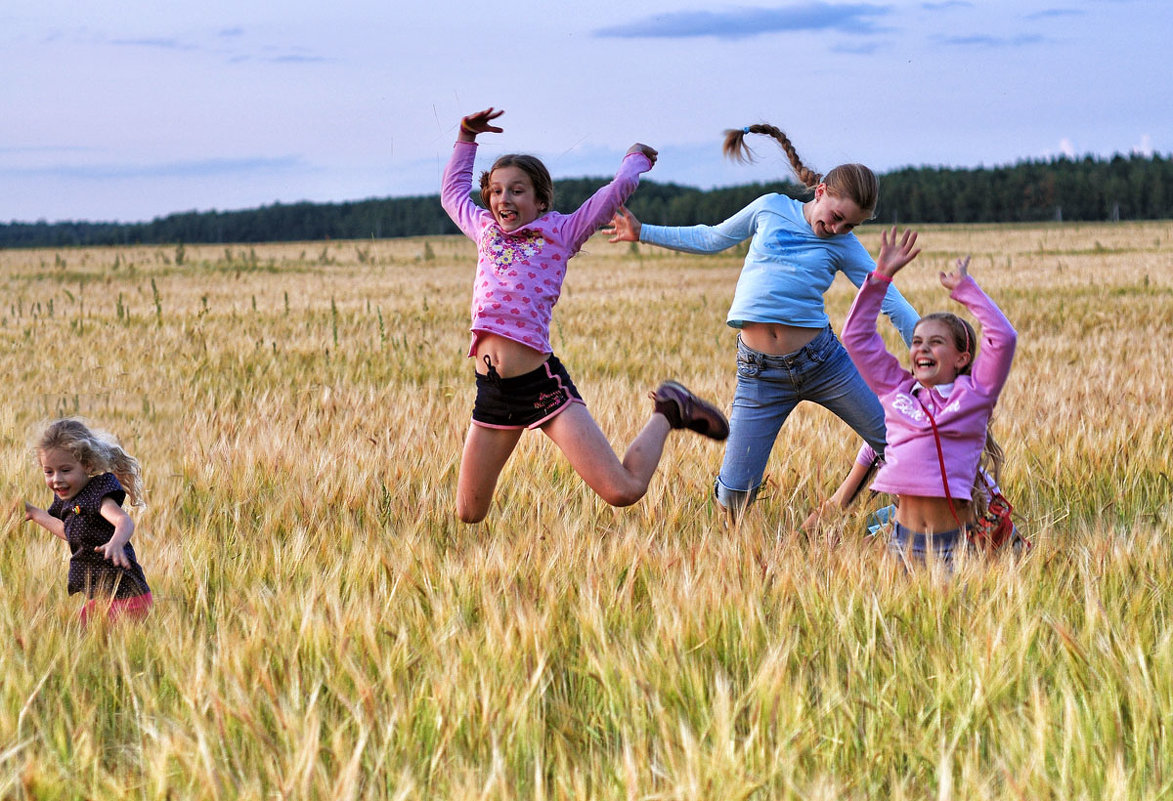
(325, 628)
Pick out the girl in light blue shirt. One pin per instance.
(786, 349)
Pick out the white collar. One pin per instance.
(944, 390)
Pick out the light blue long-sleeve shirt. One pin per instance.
(787, 269)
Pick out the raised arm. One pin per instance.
(999, 339)
(895, 253)
(900, 312)
(879, 368)
(605, 202)
(894, 256)
(457, 181)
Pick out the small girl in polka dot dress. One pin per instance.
(90, 476)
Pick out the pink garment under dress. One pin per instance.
(911, 465)
(519, 274)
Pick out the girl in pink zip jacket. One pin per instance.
(523, 246)
(937, 413)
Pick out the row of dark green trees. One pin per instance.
(1061, 189)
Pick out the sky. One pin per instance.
(128, 111)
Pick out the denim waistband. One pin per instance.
(816, 350)
(939, 540)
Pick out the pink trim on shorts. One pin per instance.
(479, 424)
(134, 608)
(561, 388)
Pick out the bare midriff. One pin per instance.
(931, 515)
(508, 357)
(777, 339)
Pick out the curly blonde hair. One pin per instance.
(96, 451)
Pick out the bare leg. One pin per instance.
(486, 450)
(618, 483)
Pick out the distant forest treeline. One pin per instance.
(1062, 189)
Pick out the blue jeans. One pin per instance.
(768, 389)
(880, 518)
(914, 548)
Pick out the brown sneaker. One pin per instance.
(685, 410)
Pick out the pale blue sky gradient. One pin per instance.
(133, 110)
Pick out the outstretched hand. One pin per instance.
(895, 255)
(952, 280)
(479, 123)
(650, 152)
(624, 227)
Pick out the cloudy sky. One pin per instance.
(132, 110)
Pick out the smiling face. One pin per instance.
(832, 215)
(512, 198)
(934, 354)
(64, 474)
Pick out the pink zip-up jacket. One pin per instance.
(519, 274)
(911, 465)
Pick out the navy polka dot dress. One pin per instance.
(85, 530)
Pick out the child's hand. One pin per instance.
(35, 514)
(624, 227)
(114, 552)
(647, 151)
(479, 123)
(952, 280)
(894, 256)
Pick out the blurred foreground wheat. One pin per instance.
(325, 628)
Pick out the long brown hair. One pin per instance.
(856, 182)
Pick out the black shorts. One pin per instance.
(524, 401)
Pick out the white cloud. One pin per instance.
(1145, 148)
(1067, 147)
